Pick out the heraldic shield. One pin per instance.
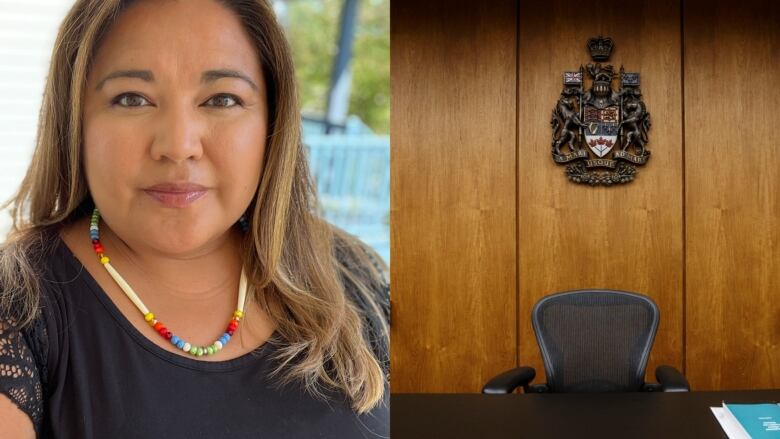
(600, 133)
(602, 128)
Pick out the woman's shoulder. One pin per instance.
(24, 333)
(31, 296)
(25, 261)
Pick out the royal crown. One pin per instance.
(600, 48)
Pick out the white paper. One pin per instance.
(729, 423)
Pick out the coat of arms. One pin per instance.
(600, 133)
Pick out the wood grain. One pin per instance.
(628, 237)
(453, 193)
(732, 202)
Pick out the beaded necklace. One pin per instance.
(195, 351)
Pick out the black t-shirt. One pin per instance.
(82, 370)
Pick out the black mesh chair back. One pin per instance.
(595, 340)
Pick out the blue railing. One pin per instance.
(352, 173)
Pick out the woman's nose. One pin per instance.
(177, 136)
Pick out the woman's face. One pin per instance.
(175, 122)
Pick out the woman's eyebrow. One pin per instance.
(207, 76)
(213, 75)
(145, 75)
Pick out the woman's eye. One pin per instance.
(130, 100)
(224, 100)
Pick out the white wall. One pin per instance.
(27, 32)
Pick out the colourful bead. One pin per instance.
(94, 234)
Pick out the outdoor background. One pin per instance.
(341, 50)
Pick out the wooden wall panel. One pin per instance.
(732, 202)
(628, 237)
(453, 193)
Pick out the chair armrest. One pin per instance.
(508, 381)
(671, 380)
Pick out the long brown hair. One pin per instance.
(290, 254)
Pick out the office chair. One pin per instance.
(593, 341)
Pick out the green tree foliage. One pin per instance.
(313, 30)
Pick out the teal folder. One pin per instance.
(760, 421)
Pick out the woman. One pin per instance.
(166, 274)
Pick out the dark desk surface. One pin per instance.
(617, 415)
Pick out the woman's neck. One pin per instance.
(198, 275)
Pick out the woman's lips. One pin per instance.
(176, 197)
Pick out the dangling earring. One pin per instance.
(243, 224)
